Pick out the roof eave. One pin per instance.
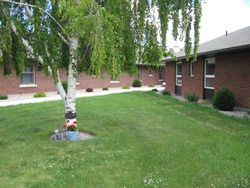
(213, 52)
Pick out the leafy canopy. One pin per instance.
(112, 34)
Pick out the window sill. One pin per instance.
(77, 84)
(114, 82)
(209, 87)
(191, 76)
(27, 86)
(161, 80)
(150, 75)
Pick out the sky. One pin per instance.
(219, 16)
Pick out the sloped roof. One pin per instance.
(239, 39)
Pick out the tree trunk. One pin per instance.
(70, 100)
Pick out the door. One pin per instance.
(178, 80)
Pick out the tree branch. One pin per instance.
(34, 6)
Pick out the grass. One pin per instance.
(143, 140)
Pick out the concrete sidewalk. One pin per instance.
(53, 96)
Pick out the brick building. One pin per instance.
(221, 62)
(33, 80)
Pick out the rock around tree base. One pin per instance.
(61, 135)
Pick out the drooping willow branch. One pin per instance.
(42, 10)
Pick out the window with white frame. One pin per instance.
(28, 75)
(191, 68)
(138, 76)
(161, 74)
(209, 73)
(150, 72)
(114, 80)
(178, 73)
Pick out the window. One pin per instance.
(161, 74)
(138, 76)
(150, 72)
(178, 73)
(209, 73)
(28, 76)
(191, 68)
(114, 80)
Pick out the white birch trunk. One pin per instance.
(70, 100)
(31, 51)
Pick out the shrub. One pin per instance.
(155, 90)
(105, 89)
(3, 97)
(125, 87)
(137, 83)
(191, 97)
(40, 94)
(89, 90)
(224, 100)
(65, 85)
(151, 85)
(166, 93)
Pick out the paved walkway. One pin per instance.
(53, 96)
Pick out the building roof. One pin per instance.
(239, 39)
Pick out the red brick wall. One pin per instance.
(170, 76)
(233, 72)
(10, 84)
(193, 84)
(150, 80)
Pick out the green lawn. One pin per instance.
(143, 140)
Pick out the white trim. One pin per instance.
(114, 82)
(27, 85)
(212, 60)
(177, 76)
(77, 83)
(210, 76)
(209, 87)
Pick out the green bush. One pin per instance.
(224, 100)
(137, 83)
(191, 97)
(89, 90)
(166, 93)
(40, 94)
(65, 85)
(125, 87)
(105, 89)
(155, 90)
(3, 97)
(151, 85)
